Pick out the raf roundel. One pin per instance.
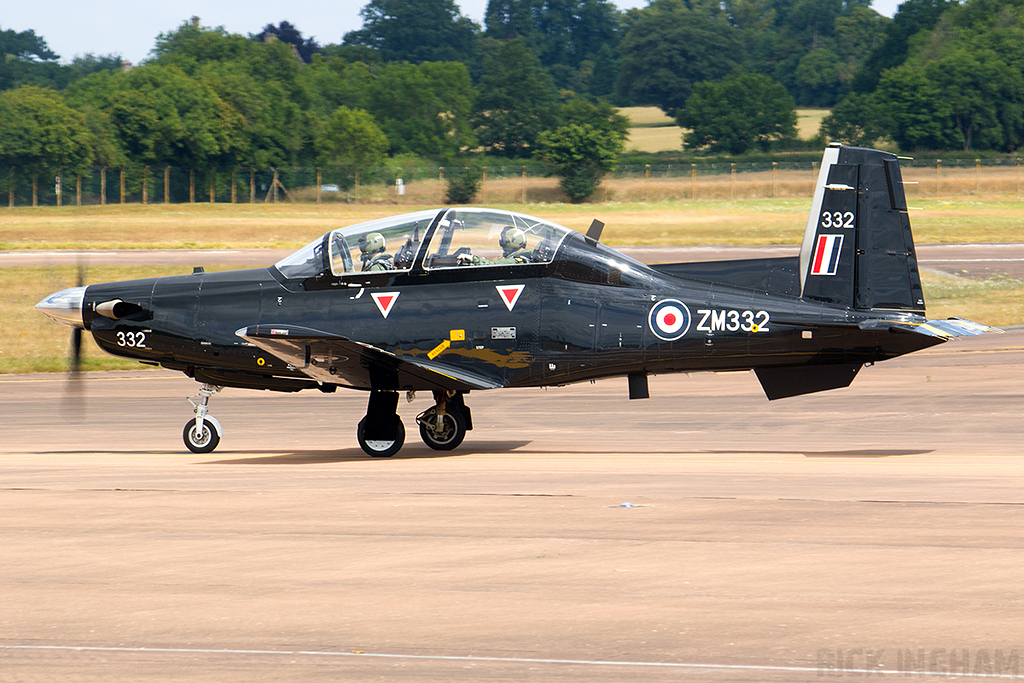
(669, 319)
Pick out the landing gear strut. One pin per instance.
(381, 433)
(203, 432)
(444, 426)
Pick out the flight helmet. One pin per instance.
(512, 239)
(372, 244)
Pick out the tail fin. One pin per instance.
(857, 249)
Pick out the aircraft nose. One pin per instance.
(64, 306)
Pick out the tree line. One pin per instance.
(540, 78)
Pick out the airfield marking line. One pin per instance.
(508, 660)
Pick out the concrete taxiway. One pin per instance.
(963, 260)
(704, 534)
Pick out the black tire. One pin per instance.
(201, 443)
(451, 434)
(381, 449)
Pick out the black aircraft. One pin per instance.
(454, 300)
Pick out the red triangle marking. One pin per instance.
(385, 301)
(510, 294)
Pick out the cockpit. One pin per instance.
(432, 240)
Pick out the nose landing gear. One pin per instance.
(203, 432)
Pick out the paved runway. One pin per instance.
(704, 534)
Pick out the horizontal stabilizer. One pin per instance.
(944, 329)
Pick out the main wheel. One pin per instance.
(446, 436)
(201, 441)
(381, 448)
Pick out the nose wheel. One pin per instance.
(202, 433)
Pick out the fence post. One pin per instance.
(234, 185)
(938, 175)
(273, 188)
(122, 186)
(167, 184)
(35, 192)
(693, 181)
(59, 188)
(213, 185)
(103, 185)
(977, 176)
(78, 189)
(319, 178)
(775, 179)
(732, 181)
(10, 192)
(252, 185)
(191, 186)
(145, 185)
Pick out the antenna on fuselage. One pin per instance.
(594, 233)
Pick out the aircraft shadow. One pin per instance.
(411, 452)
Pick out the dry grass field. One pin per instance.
(652, 131)
(669, 222)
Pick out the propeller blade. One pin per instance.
(73, 405)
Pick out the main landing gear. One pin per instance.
(381, 433)
(444, 426)
(202, 433)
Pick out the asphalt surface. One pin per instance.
(704, 534)
(964, 260)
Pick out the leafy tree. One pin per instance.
(856, 120)
(669, 48)
(581, 155)
(817, 78)
(41, 134)
(305, 48)
(350, 139)
(461, 186)
(912, 111)
(275, 130)
(161, 116)
(912, 17)
(415, 31)
(563, 33)
(263, 82)
(333, 81)
(424, 109)
(516, 101)
(738, 112)
(22, 55)
(600, 115)
(985, 97)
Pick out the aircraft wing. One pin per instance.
(334, 359)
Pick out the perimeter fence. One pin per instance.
(955, 178)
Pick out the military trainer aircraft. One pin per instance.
(455, 300)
